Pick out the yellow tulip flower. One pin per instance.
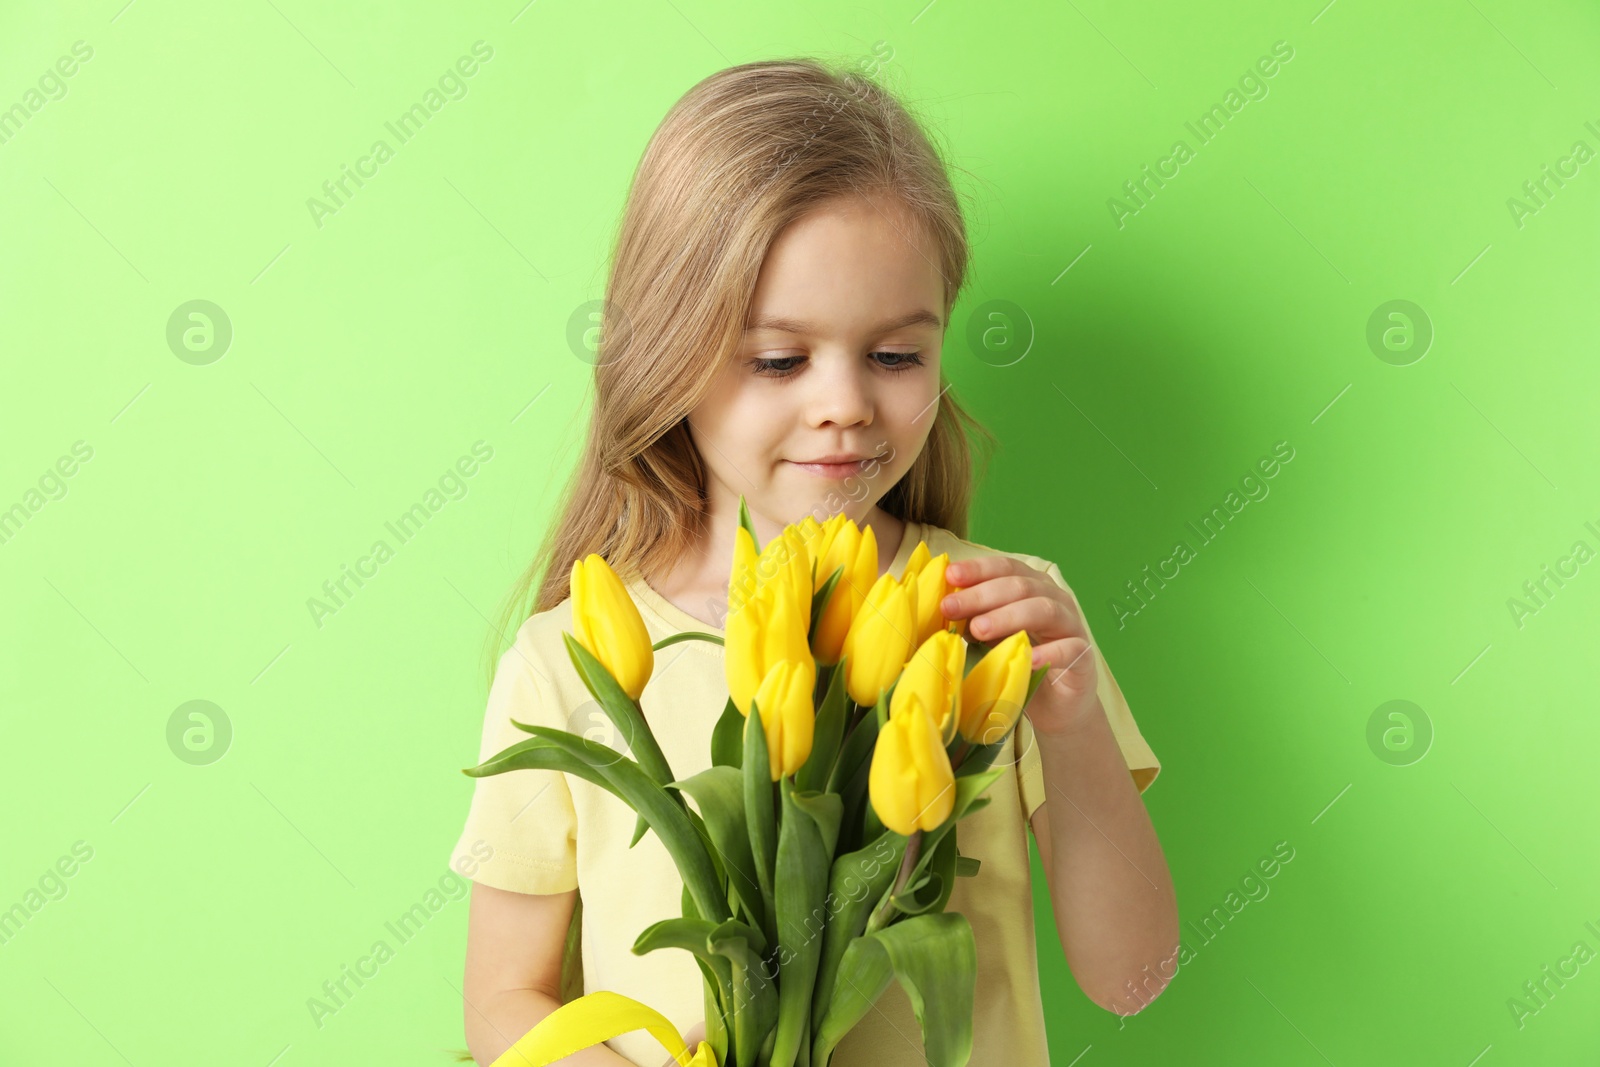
(880, 639)
(911, 784)
(769, 629)
(931, 589)
(742, 579)
(786, 558)
(992, 695)
(855, 550)
(606, 621)
(811, 533)
(934, 676)
(787, 716)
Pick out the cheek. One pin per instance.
(739, 418)
(911, 407)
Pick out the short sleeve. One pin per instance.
(521, 828)
(1142, 762)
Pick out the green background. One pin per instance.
(1136, 390)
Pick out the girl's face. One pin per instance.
(840, 359)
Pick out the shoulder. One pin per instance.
(538, 647)
(939, 540)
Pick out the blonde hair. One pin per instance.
(744, 153)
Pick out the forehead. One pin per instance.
(849, 266)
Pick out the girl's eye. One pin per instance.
(785, 366)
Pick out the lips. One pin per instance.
(837, 458)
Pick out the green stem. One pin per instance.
(908, 862)
(687, 635)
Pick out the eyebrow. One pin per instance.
(786, 325)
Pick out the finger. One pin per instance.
(1044, 618)
(1044, 615)
(1070, 664)
(981, 568)
(991, 593)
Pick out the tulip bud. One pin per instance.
(766, 631)
(855, 550)
(787, 716)
(992, 695)
(788, 559)
(934, 676)
(880, 639)
(931, 590)
(742, 578)
(910, 783)
(607, 623)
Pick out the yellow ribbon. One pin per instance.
(591, 1019)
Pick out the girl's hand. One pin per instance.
(999, 596)
(691, 1037)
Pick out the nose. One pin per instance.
(839, 392)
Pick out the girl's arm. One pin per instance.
(513, 974)
(1115, 908)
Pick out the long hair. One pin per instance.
(744, 153)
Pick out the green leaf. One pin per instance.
(819, 600)
(694, 935)
(719, 794)
(849, 779)
(625, 715)
(744, 520)
(717, 1031)
(806, 838)
(857, 881)
(827, 734)
(759, 816)
(727, 737)
(978, 757)
(755, 998)
(857, 747)
(967, 866)
(666, 812)
(536, 754)
(935, 959)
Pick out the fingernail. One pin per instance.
(947, 605)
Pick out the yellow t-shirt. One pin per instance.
(547, 832)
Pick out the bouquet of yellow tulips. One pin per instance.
(820, 851)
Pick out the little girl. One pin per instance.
(779, 294)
